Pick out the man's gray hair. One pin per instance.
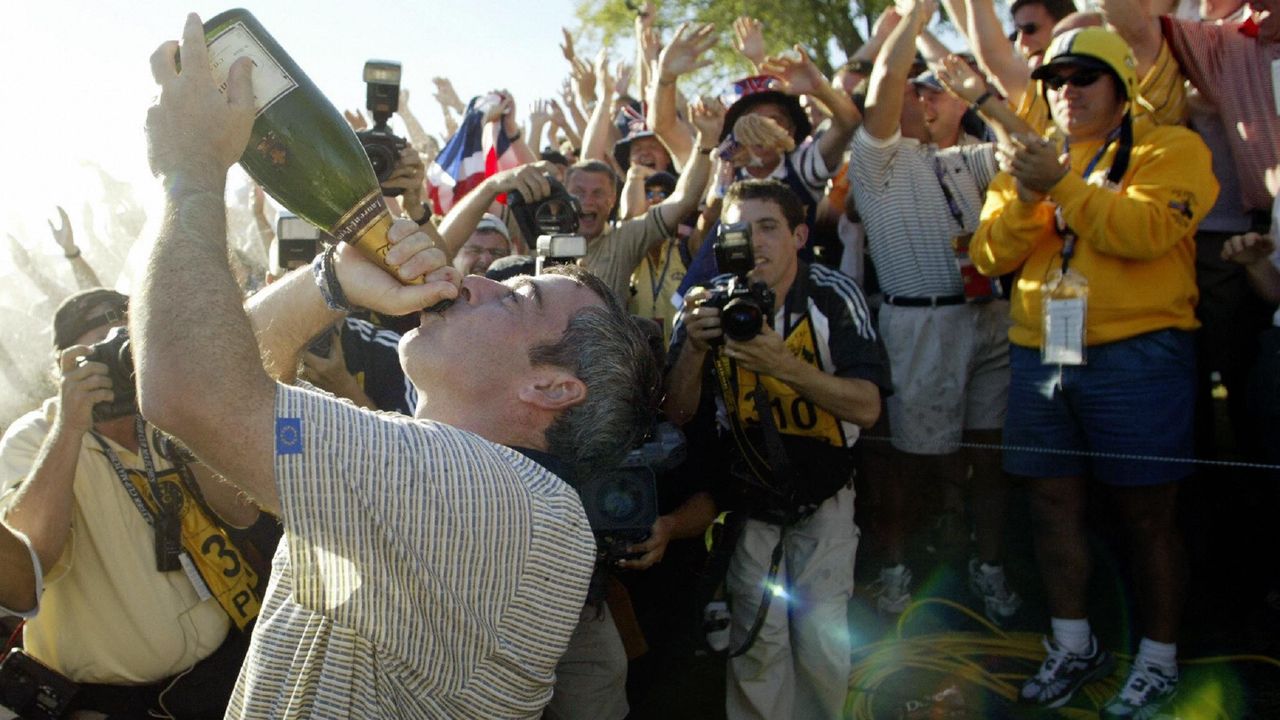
(605, 349)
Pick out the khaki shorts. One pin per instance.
(950, 372)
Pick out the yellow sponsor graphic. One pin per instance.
(793, 414)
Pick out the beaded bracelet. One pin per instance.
(326, 277)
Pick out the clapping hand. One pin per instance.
(1035, 164)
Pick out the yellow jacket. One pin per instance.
(1135, 245)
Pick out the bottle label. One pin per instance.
(360, 218)
(270, 81)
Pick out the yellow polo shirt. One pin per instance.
(107, 615)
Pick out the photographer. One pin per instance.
(83, 487)
(434, 566)
(613, 250)
(822, 368)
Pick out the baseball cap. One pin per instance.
(1094, 48)
(493, 223)
(928, 79)
(80, 313)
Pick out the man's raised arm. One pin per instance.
(889, 77)
(707, 119)
(995, 52)
(199, 373)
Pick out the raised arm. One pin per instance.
(511, 126)
(216, 397)
(889, 76)
(684, 54)
(708, 119)
(961, 81)
(465, 214)
(748, 40)
(417, 135)
(995, 51)
(801, 77)
(42, 506)
(595, 141)
(63, 235)
(1138, 26)
(884, 25)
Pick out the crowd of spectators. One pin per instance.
(946, 285)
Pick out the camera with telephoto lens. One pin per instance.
(622, 503)
(382, 99)
(114, 353)
(745, 305)
(32, 690)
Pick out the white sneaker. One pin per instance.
(893, 592)
(1147, 694)
(999, 601)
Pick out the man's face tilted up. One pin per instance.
(476, 352)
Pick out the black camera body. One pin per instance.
(622, 503)
(32, 690)
(382, 100)
(745, 305)
(114, 352)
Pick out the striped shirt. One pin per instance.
(1233, 72)
(803, 165)
(908, 219)
(425, 572)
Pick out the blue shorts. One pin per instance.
(1134, 397)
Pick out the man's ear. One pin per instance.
(801, 235)
(553, 389)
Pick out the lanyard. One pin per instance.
(952, 205)
(656, 282)
(1060, 224)
(121, 473)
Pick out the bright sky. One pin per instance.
(77, 84)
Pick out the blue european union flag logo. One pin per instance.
(288, 436)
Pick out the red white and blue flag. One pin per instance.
(475, 152)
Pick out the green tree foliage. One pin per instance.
(829, 30)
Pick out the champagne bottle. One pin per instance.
(301, 151)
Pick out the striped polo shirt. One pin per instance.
(1234, 73)
(897, 185)
(425, 572)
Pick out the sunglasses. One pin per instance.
(1080, 79)
(1027, 28)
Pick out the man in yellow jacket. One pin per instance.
(1100, 230)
